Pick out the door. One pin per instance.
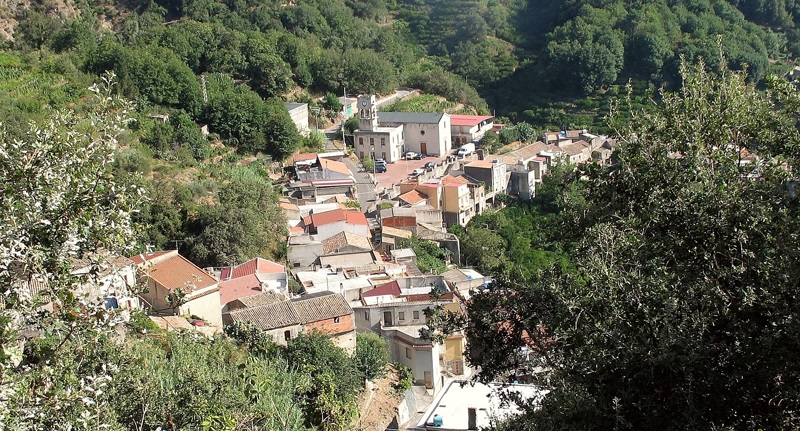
(423, 147)
(387, 318)
(428, 379)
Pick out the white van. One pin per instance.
(466, 150)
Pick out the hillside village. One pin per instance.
(347, 270)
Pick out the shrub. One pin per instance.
(372, 355)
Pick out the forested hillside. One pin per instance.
(547, 63)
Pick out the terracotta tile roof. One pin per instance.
(413, 197)
(303, 157)
(271, 316)
(303, 310)
(449, 180)
(264, 298)
(320, 306)
(343, 239)
(145, 257)
(238, 288)
(468, 120)
(256, 266)
(482, 164)
(356, 217)
(174, 271)
(335, 166)
(528, 152)
(328, 217)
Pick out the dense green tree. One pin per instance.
(368, 72)
(330, 401)
(682, 313)
(246, 222)
(372, 355)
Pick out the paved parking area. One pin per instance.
(398, 171)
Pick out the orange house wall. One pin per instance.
(328, 327)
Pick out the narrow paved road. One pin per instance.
(364, 185)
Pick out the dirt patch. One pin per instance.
(377, 407)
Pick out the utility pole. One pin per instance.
(316, 110)
(344, 117)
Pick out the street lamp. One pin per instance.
(372, 154)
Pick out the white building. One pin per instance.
(373, 141)
(389, 135)
(424, 133)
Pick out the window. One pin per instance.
(361, 156)
(372, 141)
(383, 142)
(421, 132)
(336, 319)
(408, 352)
(287, 335)
(360, 141)
(401, 315)
(416, 315)
(384, 155)
(366, 316)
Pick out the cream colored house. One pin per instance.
(169, 274)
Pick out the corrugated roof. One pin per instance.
(468, 120)
(409, 117)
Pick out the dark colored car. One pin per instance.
(380, 168)
(430, 166)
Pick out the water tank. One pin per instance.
(437, 420)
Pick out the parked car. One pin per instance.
(412, 156)
(430, 166)
(380, 168)
(417, 172)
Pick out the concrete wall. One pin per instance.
(304, 255)
(436, 137)
(344, 329)
(388, 144)
(326, 231)
(205, 305)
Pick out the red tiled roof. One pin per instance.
(257, 266)
(391, 288)
(328, 217)
(240, 287)
(145, 257)
(335, 166)
(175, 272)
(356, 217)
(481, 164)
(413, 197)
(304, 156)
(468, 120)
